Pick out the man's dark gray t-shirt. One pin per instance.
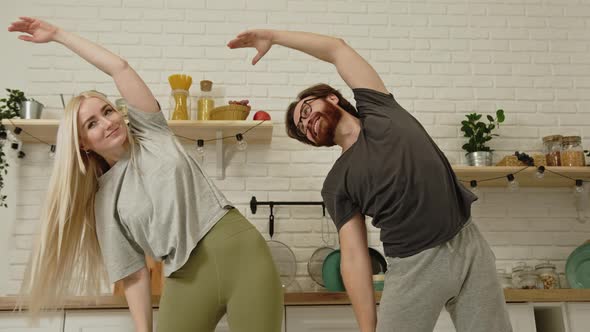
(397, 175)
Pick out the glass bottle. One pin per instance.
(552, 149)
(572, 153)
(205, 103)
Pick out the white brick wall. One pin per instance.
(441, 59)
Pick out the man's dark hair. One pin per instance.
(321, 91)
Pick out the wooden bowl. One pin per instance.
(230, 112)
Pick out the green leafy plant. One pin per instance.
(9, 108)
(479, 133)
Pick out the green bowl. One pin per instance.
(577, 268)
(378, 285)
(331, 272)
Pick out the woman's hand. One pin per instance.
(37, 31)
(261, 40)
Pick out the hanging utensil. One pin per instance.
(282, 255)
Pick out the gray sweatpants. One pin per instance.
(459, 275)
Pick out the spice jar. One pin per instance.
(529, 280)
(516, 272)
(572, 153)
(504, 278)
(553, 147)
(548, 275)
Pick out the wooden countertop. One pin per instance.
(321, 298)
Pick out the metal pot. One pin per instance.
(31, 109)
(479, 158)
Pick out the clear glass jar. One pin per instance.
(572, 153)
(548, 275)
(205, 104)
(552, 148)
(529, 280)
(504, 278)
(121, 104)
(181, 104)
(516, 271)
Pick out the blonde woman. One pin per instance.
(120, 192)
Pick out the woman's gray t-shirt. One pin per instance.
(396, 174)
(161, 206)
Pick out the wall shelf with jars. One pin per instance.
(526, 176)
(200, 133)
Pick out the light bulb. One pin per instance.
(242, 145)
(474, 189)
(513, 185)
(52, 151)
(540, 172)
(3, 136)
(200, 148)
(579, 188)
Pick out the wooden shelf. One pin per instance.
(46, 129)
(323, 298)
(526, 177)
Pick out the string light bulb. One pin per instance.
(52, 151)
(17, 130)
(242, 145)
(540, 172)
(513, 185)
(579, 188)
(473, 185)
(200, 148)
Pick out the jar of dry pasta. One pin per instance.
(553, 148)
(572, 153)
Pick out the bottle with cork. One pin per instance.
(205, 103)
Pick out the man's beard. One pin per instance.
(329, 120)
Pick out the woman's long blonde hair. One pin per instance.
(66, 259)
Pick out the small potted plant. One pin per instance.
(479, 134)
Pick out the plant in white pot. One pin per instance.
(479, 134)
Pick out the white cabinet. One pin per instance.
(579, 317)
(110, 320)
(341, 318)
(522, 317)
(444, 323)
(321, 318)
(18, 322)
(338, 318)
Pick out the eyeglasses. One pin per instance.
(305, 112)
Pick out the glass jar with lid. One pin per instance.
(548, 275)
(529, 280)
(504, 278)
(572, 153)
(552, 148)
(516, 271)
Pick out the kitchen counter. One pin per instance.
(320, 298)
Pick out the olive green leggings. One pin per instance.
(230, 271)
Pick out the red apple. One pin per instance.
(261, 115)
